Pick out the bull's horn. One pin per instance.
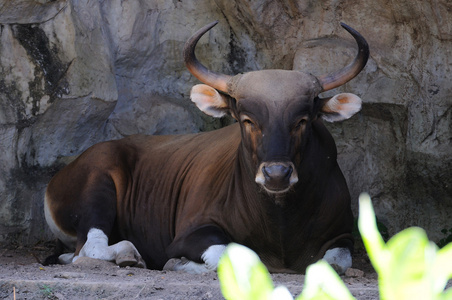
(338, 78)
(215, 80)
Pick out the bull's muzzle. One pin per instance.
(276, 177)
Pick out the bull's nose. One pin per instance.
(277, 173)
(276, 177)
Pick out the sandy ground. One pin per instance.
(21, 271)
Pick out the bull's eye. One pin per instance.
(301, 123)
(246, 121)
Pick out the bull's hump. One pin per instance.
(227, 138)
(180, 155)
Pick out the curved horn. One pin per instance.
(338, 78)
(215, 80)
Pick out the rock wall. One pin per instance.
(73, 73)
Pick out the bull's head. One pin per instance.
(275, 108)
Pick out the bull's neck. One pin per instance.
(269, 219)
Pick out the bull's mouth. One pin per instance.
(276, 177)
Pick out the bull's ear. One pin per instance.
(340, 107)
(209, 100)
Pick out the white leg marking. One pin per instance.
(339, 258)
(96, 246)
(210, 257)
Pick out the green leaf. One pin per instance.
(281, 293)
(242, 275)
(405, 276)
(409, 266)
(447, 295)
(442, 268)
(323, 283)
(372, 239)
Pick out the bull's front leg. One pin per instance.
(198, 251)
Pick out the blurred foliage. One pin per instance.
(409, 266)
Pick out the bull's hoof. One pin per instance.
(126, 260)
(140, 264)
(185, 265)
(130, 260)
(171, 264)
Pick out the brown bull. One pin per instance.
(270, 182)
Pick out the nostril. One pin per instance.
(287, 171)
(265, 171)
(277, 172)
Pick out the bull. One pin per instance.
(270, 181)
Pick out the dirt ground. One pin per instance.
(23, 277)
